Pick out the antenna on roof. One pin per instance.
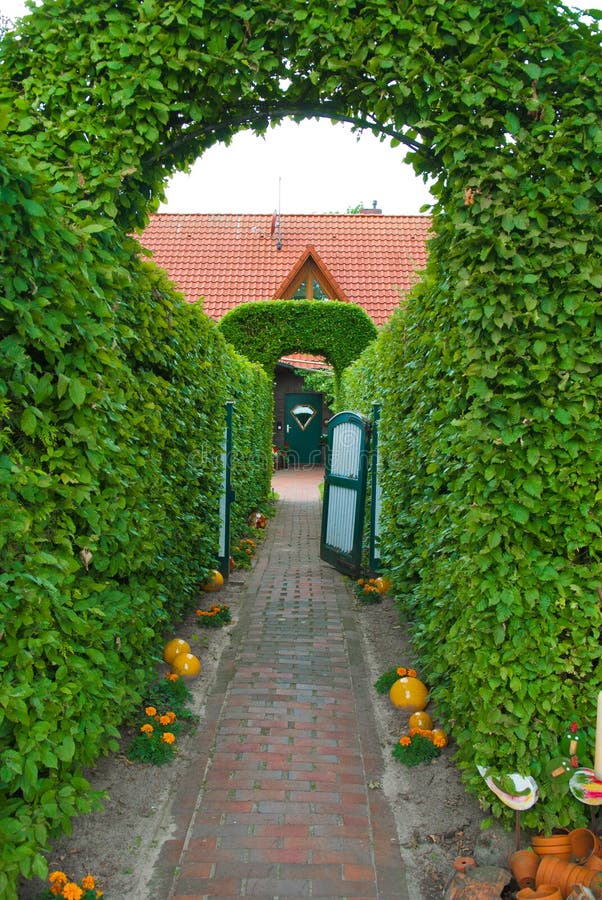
(279, 242)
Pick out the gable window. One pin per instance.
(310, 289)
(309, 279)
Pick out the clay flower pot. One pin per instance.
(524, 865)
(564, 875)
(584, 843)
(558, 845)
(551, 870)
(594, 863)
(544, 890)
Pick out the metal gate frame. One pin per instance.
(376, 491)
(345, 479)
(227, 496)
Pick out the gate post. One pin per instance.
(226, 497)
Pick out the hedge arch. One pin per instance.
(270, 329)
(500, 356)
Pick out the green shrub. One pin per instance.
(112, 401)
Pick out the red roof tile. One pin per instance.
(228, 258)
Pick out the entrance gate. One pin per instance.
(344, 506)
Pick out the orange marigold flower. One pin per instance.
(401, 671)
(88, 883)
(439, 741)
(360, 581)
(57, 888)
(57, 876)
(171, 716)
(172, 676)
(147, 729)
(405, 741)
(414, 731)
(150, 711)
(412, 673)
(72, 891)
(164, 720)
(168, 737)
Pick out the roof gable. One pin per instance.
(309, 265)
(229, 259)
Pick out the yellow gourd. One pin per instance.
(214, 582)
(383, 584)
(186, 664)
(439, 737)
(409, 693)
(172, 648)
(420, 720)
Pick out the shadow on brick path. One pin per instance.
(279, 803)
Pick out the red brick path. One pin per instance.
(283, 808)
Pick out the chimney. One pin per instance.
(371, 212)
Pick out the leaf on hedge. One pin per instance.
(66, 750)
(29, 421)
(77, 392)
(519, 513)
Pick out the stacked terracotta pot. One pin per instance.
(556, 863)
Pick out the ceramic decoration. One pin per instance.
(524, 789)
(586, 788)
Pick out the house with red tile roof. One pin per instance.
(225, 259)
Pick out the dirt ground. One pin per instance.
(436, 820)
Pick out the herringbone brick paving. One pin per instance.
(283, 807)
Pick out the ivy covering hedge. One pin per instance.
(112, 394)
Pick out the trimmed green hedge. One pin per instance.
(490, 457)
(266, 330)
(112, 394)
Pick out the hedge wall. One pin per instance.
(266, 330)
(112, 395)
(491, 521)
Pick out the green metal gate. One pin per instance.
(348, 438)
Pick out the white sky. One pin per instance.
(315, 166)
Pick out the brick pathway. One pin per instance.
(283, 808)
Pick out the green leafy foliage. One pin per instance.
(419, 749)
(266, 330)
(385, 682)
(113, 395)
(112, 391)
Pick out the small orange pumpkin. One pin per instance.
(186, 664)
(172, 648)
(409, 693)
(439, 737)
(420, 719)
(214, 582)
(383, 584)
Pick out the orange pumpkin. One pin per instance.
(383, 584)
(420, 719)
(439, 737)
(186, 664)
(214, 582)
(409, 694)
(172, 648)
